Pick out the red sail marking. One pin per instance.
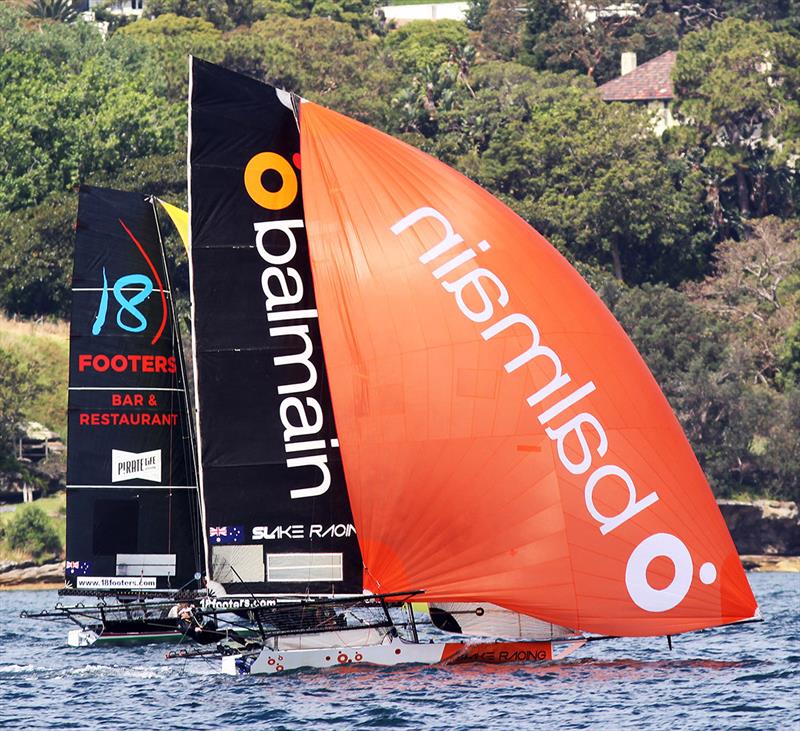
(158, 281)
(443, 317)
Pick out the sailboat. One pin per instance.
(406, 394)
(133, 523)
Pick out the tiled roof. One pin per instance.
(649, 81)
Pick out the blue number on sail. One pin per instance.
(126, 304)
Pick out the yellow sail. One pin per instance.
(180, 218)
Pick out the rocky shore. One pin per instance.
(763, 527)
(30, 575)
(766, 534)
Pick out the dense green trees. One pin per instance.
(590, 176)
(737, 86)
(32, 532)
(672, 231)
(18, 385)
(71, 105)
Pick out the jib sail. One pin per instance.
(132, 499)
(278, 518)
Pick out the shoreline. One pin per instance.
(32, 586)
(753, 563)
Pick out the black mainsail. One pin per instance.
(277, 513)
(132, 499)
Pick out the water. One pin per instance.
(734, 678)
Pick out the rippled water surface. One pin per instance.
(736, 678)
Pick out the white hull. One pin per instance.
(395, 651)
(81, 638)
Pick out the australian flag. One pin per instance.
(226, 534)
(77, 567)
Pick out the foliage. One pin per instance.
(604, 189)
(756, 290)
(60, 10)
(561, 35)
(509, 100)
(37, 251)
(62, 118)
(501, 30)
(228, 14)
(737, 86)
(317, 58)
(476, 10)
(18, 385)
(430, 64)
(44, 347)
(744, 434)
(32, 531)
(224, 14)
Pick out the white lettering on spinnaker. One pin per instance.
(477, 293)
(639, 588)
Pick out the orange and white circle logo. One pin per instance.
(271, 200)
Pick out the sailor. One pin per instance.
(175, 611)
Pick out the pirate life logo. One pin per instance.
(130, 291)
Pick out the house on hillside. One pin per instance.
(402, 14)
(118, 7)
(649, 84)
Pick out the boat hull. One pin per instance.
(396, 651)
(88, 637)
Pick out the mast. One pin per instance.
(200, 482)
(189, 437)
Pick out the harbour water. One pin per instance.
(745, 677)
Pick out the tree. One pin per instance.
(37, 255)
(430, 64)
(476, 10)
(745, 435)
(755, 288)
(318, 58)
(18, 385)
(540, 17)
(501, 29)
(590, 176)
(169, 39)
(32, 531)
(71, 105)
(737, 96)
(562, 35)
(60, 10)
(223, 14)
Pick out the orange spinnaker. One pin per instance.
(446, 368)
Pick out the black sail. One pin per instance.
(132, 497)
(277, 511)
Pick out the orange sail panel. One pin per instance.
(502, 438)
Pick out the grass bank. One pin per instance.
(46, 345)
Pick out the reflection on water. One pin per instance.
(742, 677)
